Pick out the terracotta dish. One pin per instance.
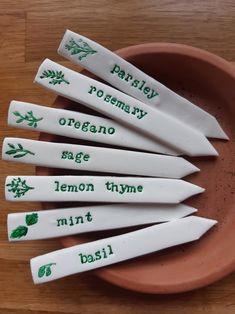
(208, 81)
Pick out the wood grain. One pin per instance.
(31, 31)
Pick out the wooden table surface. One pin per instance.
(30, 30)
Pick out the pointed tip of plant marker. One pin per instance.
(217, 131)
(188, 190)
(223, 135)
(206, 149)
(189, 168)
(189, 210)
(196, 169)
(200, 190)
(200, 225)
(213, 151)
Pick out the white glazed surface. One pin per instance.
(81, 157)
(122, 136)
(101, 189)
(102, 64)
(119, 248)
(67, 221)
(140, 116)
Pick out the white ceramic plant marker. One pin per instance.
(126, 77)
(81, 126)
(124, 108)
(98, 189)
(62, 222)
(91, 158)
(84, 257)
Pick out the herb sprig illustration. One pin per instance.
(57, 77)
(21, 231)
(19, 187)
(80, 47)
(18, 152)
(45, 270)
(33, 121)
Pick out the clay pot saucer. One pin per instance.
(208, 81)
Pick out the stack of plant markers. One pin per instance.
(145, 115)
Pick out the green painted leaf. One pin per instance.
(31, 219)
(48, 271)
(45, 270)
(19, 232)
(11, 145)
(11, 152)
(41, 271)
(20, 155)
(20, 120)
(16, 113)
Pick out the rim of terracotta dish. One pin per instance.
(112, 276)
